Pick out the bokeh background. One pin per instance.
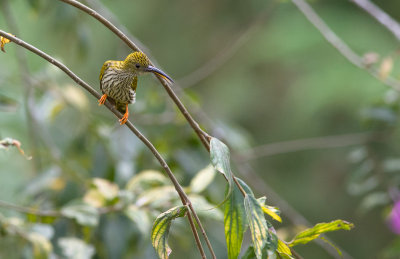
(252, 72)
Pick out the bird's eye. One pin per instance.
(137, 65)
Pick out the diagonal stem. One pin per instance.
(87, 87)
(204, 137)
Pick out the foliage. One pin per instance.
(93, 190)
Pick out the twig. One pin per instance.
(50, 213)
(293, 215)
(99, 6)
(305, 144)
(391, 24)
(87, 87)
(340, 45)
(204, 137)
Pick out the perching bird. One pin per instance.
(118, 80)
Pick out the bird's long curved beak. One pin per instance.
(159, 72)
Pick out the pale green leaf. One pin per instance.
(107, 189)
(72, 247)
(284, 250)
(205, 209)
(263, 238)
(273, 212)
(146, 180)
(312, 233)
(202, 179)
(260, 234)
(235, 222)
(140, 217)
(160, 231)
(220, 159)
(157, 197)
(41, 245)
(83, 213)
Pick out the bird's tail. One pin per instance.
(121, 107)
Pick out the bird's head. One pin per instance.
(140, 63)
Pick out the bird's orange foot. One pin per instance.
(103, 99)
(123, 120)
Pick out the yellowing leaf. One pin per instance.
(4, 41)
(312, 233)
(235, 222)
(108, 189)
(284, 250)
(271, 211)
(94, 198)
(386, 67)
(41, 245)
(160, 231)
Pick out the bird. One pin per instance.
(118, 80)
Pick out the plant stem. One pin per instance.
(87, 87)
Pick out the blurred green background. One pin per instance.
(282, 81)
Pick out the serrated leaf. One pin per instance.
(41, 245)
(83, 213)
(220, 159)
(312, 233)
(273, 212)
(72, 247)
(234, 222)
(202, 179)
(284, 250)
(160, 231)
(260, 234)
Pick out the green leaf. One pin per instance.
(273, 212)
(235, 222)
(260, 234)
(84, 214)
(41, 245)
(75, 248)
(202, 179)
(284, 250)
(140, 217)
(204, 208)
(157, 197)
(220, 159)
(160, 231)
(146, 180)
(312, 233)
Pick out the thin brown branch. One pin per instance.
(291, 213)
(340, 45)
(203, 136)
(381, 16)
(306, 144)
(87, 87)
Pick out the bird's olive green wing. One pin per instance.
(103, 68)
(134, 83)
